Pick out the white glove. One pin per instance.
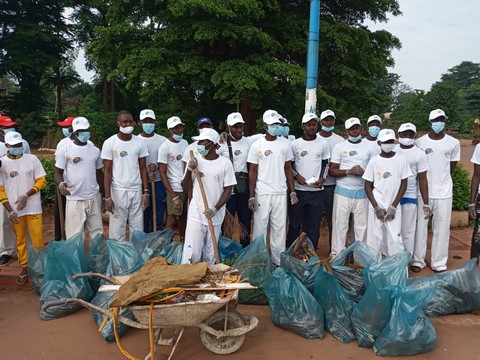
(210, 213)
(390, 215)
(21, 202)
(427, 212)
(145, 201)
(252, 204)
(380, 213)
(110, 205)
(64, 189)
(192, 164)
(293, 198)
(177, 203)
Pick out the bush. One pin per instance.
(461, 188)
(48, 194)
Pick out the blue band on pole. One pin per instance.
(313, 40)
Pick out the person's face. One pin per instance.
(310, 128)
(236, 130)
(374, 123)
(208, 144)
(438, 119)
(125, 120)
(15, 146)
(354, 131)
(177, 130)
(407, 134)
(329, 121)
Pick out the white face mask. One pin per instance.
(387, 147)
(406, 141)
(126, 130)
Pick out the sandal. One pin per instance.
(22, 279)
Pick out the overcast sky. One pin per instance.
(435, 35)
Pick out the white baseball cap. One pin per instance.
(437, 113)
(271, 117)
(386, 135)
(234, 118)
(373, 118)
(352, 121)
(80, 123)
(147, 113)
(327, 113)
(174, 121)
(208, 134)
(308, 117)
(407, 127)
(13, 138)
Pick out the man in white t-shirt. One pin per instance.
(236, 149)
(327, 121)
(202, 123)
(385, 184)
(171, 168)
(416, 184)
(79, 177)
(374, 124)
(474, 206)
(311, 154)
(348, 162)
(443, 152)
(286, 129)
(218, 179)
(8, 125)
(22, 177)
(153, 141)
(124, 158)
(270, 177)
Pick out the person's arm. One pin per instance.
(227, 192)
(143, 173)
(162, 169)
(58, 176)
(107, 178)
(474, 184)
(289, 175)
(187, 182)
(369, 191)
(423, 185)
(323, 174)
(453, 164)
(401, 192)
(100, 181)
(252, 179)
(334, 170)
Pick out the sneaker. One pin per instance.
(5, 259)
(415, 269)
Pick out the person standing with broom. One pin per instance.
(216, 178)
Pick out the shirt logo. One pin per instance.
(13, 174)
(428, 151)
(386, 175)
(179, 157)
(268, 153)
(218, 177)
(76, 159)
(304, 153)
(237, 152)
(123, 153)
(352, 153)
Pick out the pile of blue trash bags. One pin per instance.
(360, 297)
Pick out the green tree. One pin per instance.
(462, 76)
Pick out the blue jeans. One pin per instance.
(160, 196)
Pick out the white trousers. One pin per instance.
(385, 236)
(273, 209)
(84, 213)
(128, 207)
(442, 215)
(342, 208)
(409, 225)
(198, 245)
(7, 236)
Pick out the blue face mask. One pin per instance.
(7, 130)
(274, 130)
(438, 126)
(177, 137)
(66, 132)
(148, 128)
(355, 139)
(83, 136)
(285, 130)
(202, 150)
(373, 131)
(328, 129)
(16, 151)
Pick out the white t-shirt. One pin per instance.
(418, 163)
(125, 166)
(80, 164)
(347, 155)
(62, 143)
(332, 140)
(386, 175)
(18, 176)
(240, 150)
(4, 149)
(153, 143)
(171, 153)
(476, 159)
(216, 175)
(308, 157)
(376, 149)
(439, 155)
(270, 156)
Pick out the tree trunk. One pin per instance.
(58, 100)
(112, 96)
(249, 116)
(105, 93)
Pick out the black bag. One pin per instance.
(241, 177)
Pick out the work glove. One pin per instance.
(390, 215)
(110, 205)
(427, 212)
(192, 164)
(380, 213)
(145, 201)
(472, 211)
(13, 216)
(210, 213)
(177, 203)
(152, 170)
(21, 202)
(63, 189)
(252, 204)
(293, 198)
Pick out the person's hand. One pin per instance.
(13, 216)
(319, 183)
(63, 189)
(252, 204)
(177, 203)
(110, 205)
(104, 206)
(380, 213)
(472, 211)
(223, 137)
(152, 170)
(390, 215)
(210, 213)
(356, 171)
(145, 201)
(300, 179)
(192, 164)
(293, 198)
(21, 202)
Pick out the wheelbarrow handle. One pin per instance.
(94, 275)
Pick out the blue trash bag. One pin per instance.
(409, 331)
(456, 291)
(97, 259)
(103, 300)
(64, 259)
(254, 263)
(37, 257)
(351, 279)
(124, 259)
(304, 271)
(173, 252)
(372, 312)
(228, 249)
(292, 306)
(393, 270)
(336, 306)
(150, 245)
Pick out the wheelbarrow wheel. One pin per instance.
(226, 344)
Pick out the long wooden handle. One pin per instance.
(61, 214)
(205, 203)
(154, 206)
